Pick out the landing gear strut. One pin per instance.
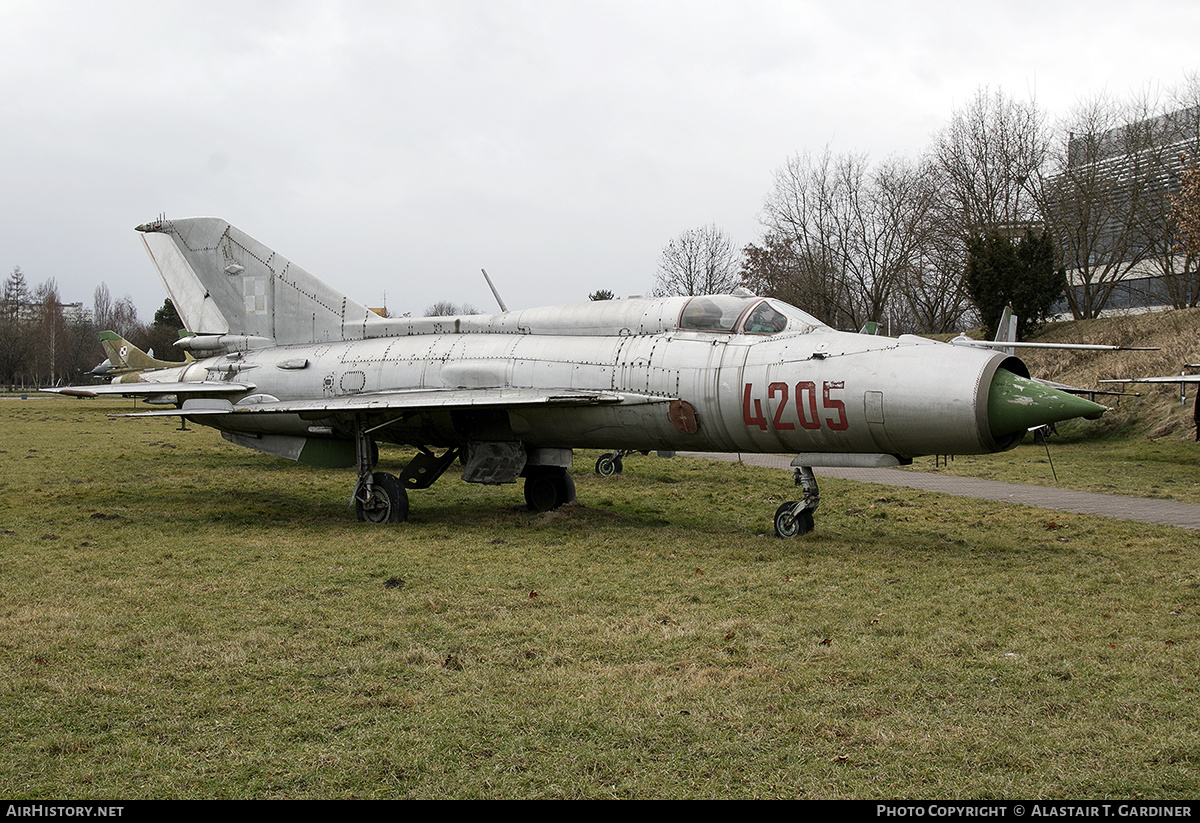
(796, 517)
(378, 496)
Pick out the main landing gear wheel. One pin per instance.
(387, 501)
(790, 524)
(609, 464)
(548, 488)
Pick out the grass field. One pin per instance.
(182, 618)
(1166, 468)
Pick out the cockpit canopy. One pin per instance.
(748, 315)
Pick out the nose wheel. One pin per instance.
(609, 464)
(791, 523)
(795, 517)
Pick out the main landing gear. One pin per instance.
(548, 487)
(380, 497)
(796, 517)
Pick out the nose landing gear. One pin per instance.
(796, 517)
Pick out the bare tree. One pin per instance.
(933, 287)
(1106, 199)
(446, 308)
(1180, 261)
(81, 350)
(984, 167)
(699, 261)
(124, 319)
(51, 337)
(845, 233)
(774, 269)
(898, 246)
(102, 307)
(988, 160)
(798, 261)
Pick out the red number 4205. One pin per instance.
(806, 412)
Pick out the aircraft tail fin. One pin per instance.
(1006, 329)
(124, 355)
(224, 282)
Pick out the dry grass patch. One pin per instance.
(181, 618)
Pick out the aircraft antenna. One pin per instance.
(495, 293)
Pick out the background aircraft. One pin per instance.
(126, 362)
(295, 368)
(1182, 380)
(1006, 341)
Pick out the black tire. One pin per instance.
(548, 488)
(388, 502)
(606, 465)
(787, 525)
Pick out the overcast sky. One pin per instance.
(395, 148)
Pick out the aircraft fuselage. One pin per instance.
(290, 365)
(819, 390)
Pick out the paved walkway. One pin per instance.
(1141, 509)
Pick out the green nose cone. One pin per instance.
(1018, 403)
